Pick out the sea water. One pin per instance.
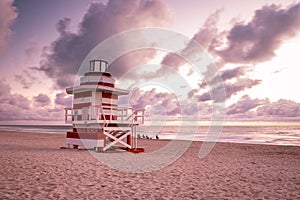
(276, 135)
(37, 128)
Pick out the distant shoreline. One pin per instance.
(28, 133)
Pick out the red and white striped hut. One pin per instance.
(98, 121)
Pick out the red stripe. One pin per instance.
(112, 108)
(94, 136)
(107, 84)
(83, 94)
(109, 104)
(108, 117)
(81, 105)
(99, 83)
(98, 73)
(109, 95)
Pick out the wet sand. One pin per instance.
(34, 167)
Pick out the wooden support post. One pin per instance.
(129, 139)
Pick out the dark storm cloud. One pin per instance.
(101, 21)
(257, 40)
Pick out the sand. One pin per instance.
(34, 167)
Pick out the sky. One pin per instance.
(253, 46)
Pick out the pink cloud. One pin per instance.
(263, 110)
(257, 40)
(245, 104)
(8, 14)
(16, 106)
(42, 100)
(281, 108)
(231, 89)
(100, 21)
(63, 99)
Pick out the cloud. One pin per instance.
(192, 92)
(32, 51)
(142, 99)
(204, 97)
(126, 62)
(16, 100)
(253, 42)
(101, 21)
(240, 85)
(245, 104)
(8, 100)
(27, 78)
(230, 88)
(244, 43)
(63, 99)
(171, 60)
(257, 40)
(16, 106)
(5, 89)
(8, 14)
(42, 100)
(225, 75)
(206, 36)
(169, 106)
(232, 73)
(281, 108)
(263, 110)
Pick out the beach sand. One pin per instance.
(34, 167)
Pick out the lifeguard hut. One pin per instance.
(98, 121)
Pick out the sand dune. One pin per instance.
(34, 167)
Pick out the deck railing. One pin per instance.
(68, 115)
(108, 114)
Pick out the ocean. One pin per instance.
(275, 135)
